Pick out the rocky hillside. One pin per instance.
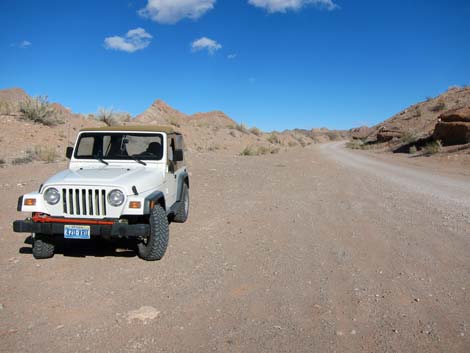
(417, 121)
(24, 140)
(161, 113)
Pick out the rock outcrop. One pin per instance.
(361, 133)
(388, 134)
(453, 127)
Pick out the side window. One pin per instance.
(171, 149)
(86, 147)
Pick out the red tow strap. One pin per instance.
(42, 218)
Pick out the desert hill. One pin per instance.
(24, 140)
(417, 121)
(12, 95)
(161, 113)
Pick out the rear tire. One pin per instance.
(182, 212)
(43, 246)
(154, 247)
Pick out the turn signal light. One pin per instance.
(30, 202)
(134, 204)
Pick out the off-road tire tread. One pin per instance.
(158, 238)
(43, 246)
(180, 215)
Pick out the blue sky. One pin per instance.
(275, 64)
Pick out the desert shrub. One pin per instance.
(256, 131)
(416, 113)
(213, 148)
(248, 151)
(39, 110)
(203, 124)
(123, 117)
(437, 107)
(408, 137)
(111, 117)
(2, 162)
(45, 154)
(274, 139)
(39, 153)
(261, 150)
(432, 147)
(23, 160)
(302, 141)
(8, 108)
(355, 144)
(242, 128)
(333, 135)
(413, 150)
(275, 150)
(107, 116)
(292, 144)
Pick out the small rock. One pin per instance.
(143, 314)
(416, 300)
(59, 327)
(339, 333)
(353, 332)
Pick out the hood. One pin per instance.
(142, 178)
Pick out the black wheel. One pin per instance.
(43, 246)
(154, 246)
(182, 211)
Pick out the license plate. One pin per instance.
(76, 232)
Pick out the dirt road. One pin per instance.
(312, 250)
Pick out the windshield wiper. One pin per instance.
(101, 159)
(138, 160)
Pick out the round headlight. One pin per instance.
(116, 198)
(52, 196)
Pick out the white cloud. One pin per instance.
(205, 43)
(172, 11)
(25, 44)
(22, 45)
(285, 5)
(135, 39)
(231, 56)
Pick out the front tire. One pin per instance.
(43, 246)
(154, 247)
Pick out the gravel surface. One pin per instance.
(313, 250)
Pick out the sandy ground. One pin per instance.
(313, 250)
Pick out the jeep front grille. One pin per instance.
(84, 202)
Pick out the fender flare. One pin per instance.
(183, 178)
(156, 197)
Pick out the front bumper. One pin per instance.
(115, 230)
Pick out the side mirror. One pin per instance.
(69, 152)
(178, 156)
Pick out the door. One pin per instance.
(171, 177)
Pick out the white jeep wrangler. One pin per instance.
(122, 182)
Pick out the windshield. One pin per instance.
(120, 146)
